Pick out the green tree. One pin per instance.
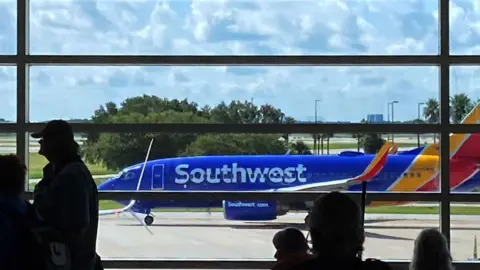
(118, 150)
(371, 143)
(460, 106)
(359, 136)
(236, 144)
(472, 105)
(431, 112)
(288, 120)
(300, 148)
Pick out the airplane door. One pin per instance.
(158, 178)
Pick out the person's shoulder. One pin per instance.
(75, 170)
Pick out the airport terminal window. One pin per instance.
(182, 82)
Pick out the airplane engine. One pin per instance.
(252, 210)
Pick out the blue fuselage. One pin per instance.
(254, 173)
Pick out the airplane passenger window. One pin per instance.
(419, 175)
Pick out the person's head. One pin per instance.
(335, 225)
(12, 175)
(56, 140)
(289, 241)
(431, 251)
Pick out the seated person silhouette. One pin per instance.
(292, 248)
(431, 251)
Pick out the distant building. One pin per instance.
(375, 118)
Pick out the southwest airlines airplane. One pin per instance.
(389, 170)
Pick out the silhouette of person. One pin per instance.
(67, 198)
(292, 248)
(431, 251)
(12, 205)
(337, 235)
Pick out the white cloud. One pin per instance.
(215, 27)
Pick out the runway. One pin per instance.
(204, 236)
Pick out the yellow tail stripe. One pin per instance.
(423, 168)
(378, 157)
(456, 140)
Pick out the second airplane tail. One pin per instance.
(467, 146)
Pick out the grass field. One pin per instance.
(37, 162)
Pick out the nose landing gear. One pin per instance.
(148, 220)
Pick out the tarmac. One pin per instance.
(207, 236)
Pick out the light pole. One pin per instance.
(388, 119)
(315, 134)
(418, 135)
(393, 134)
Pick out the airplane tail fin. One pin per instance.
(394, 149)
(467, 145)
(377, 163)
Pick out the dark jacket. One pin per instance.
(9, 234)
(67, 200)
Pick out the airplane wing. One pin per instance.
(117, 211)
(371, 171)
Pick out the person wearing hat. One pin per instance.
(66, 199)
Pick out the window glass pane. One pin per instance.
(304, 94)
(8, 27)
(8, 143)
(463, 20)
(230, 162)
(8, 94)
(250, 27)
(464, 95)
(464, 178)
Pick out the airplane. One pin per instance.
(389, 170)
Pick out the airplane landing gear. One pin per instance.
(148, 220)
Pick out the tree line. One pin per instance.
(123, 149)
(119, 150)
(460, 105)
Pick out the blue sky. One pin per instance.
(239, 27)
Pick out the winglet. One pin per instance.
(377, 163)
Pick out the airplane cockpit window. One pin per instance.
(127, 175)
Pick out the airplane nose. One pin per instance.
(107, 185)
